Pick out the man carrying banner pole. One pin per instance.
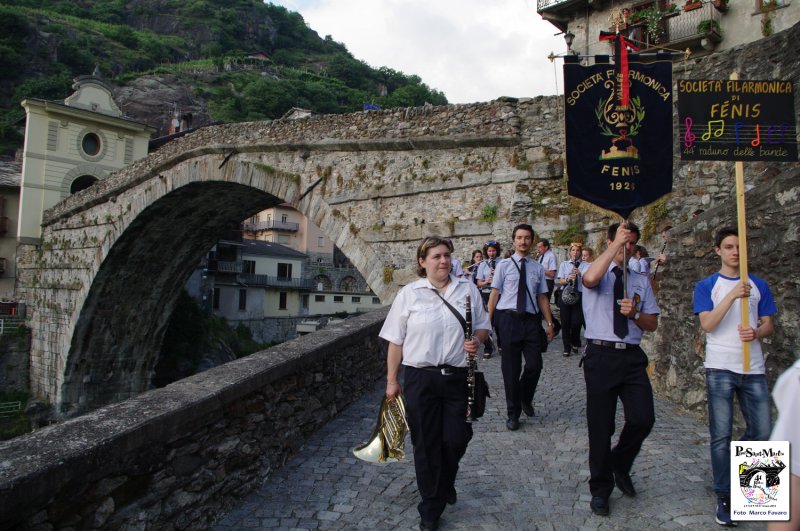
(616, 311)
(618, 123)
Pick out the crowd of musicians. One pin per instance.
(611, 299)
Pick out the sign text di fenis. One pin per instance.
(737, 120)
(619, 157)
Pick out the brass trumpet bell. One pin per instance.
(388, 439)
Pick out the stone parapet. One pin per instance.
(175, 457)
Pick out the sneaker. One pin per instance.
(723, 516)
(566, 354)
(487, 355)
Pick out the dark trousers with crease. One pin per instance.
(519, 336)
(613, 374)
(436, 408)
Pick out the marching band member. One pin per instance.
(428, 340)
(615, 366)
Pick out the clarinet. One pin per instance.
(472, 364)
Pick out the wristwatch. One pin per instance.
(549, 325)
(636, 316)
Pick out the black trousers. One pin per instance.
(489, 347)
(551, 284)
(436, 409)
(571, 322)
(519, 336)
(611, 374)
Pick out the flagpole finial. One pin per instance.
(618, 19)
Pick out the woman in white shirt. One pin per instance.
(428, 340)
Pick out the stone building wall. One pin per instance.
(175, 457)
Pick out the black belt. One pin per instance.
(444, 369)
(612, 344)
(524, 315)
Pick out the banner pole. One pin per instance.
(742, 228)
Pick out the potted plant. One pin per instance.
(707, 26)
(691, 5)
(650, 17)
(721, 5)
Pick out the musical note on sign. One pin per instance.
(719, 129)
(688, 136)
(757, 140)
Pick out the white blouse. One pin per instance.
(426, 329)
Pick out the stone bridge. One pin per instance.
(102, 283)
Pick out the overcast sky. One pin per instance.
(472, 50)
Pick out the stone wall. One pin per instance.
(175, 457)
(14, 353)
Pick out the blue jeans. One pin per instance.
(754, 402)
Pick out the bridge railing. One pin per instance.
(175, 457)
(9, 409)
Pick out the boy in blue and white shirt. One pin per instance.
(716, 302)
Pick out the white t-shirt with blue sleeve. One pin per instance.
(723, 346)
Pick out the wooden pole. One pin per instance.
(743, 275)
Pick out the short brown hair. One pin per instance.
(427, 244)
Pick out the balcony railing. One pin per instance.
(276, 282)
(680, 28)
(542, 5)
(271, 225)
(221, 266)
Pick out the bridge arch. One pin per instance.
(109, 273)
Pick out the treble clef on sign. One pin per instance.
(688, 136)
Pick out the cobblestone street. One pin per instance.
(533, 479)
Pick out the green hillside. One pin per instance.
(45, 44)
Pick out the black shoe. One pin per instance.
(528, 409)
(566, 354)
(512, 424)
(428, 526)
(599, 505)
(624, 483)
(452, 497)
(487, 355)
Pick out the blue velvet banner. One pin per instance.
(618, 158)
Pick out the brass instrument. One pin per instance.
(472, 364)
(389, 437)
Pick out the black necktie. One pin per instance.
(522, 289)
(620, 321)
(491, 263)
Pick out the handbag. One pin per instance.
(481, 387)
(569, 295)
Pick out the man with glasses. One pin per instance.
(548, 260)
(616, 313)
